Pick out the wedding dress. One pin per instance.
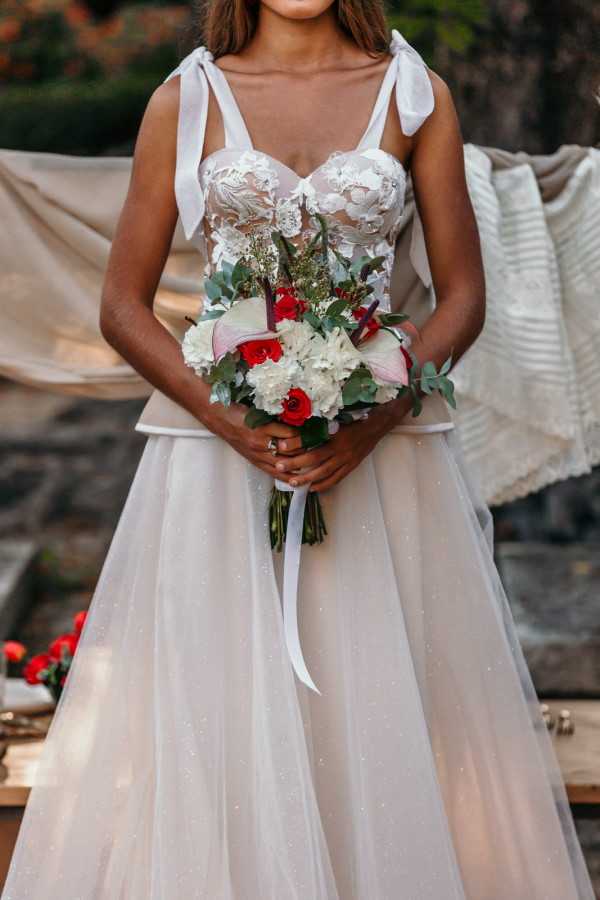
(185, 760)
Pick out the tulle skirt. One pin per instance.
(185, 761)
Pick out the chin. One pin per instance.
(298, 9)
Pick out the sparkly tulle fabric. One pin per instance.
(186, 762)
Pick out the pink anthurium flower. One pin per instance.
(246, 320)
(384, 357)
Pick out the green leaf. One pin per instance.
(310, 317)
(212, 289)
(359, 387)
(211, 314)
(337, 307)
(227, 269)
(446, 367)
(314, 431)
(240, 273)
(392, 318)
(357, 264)
(254, 418)
(220, 393)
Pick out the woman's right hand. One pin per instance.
(252, 443)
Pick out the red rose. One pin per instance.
(409, 362)
(256, 352)
(288, 306)
(343, 295)
(296, 407)
(68, 641)
(31, 672)
(14, 651)
(373, 325)
(79, 621)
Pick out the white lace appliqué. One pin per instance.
(360, 194)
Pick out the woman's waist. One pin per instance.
(161, 415)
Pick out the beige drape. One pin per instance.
(529, 390)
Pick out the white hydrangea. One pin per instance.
(297, 338)
(324, 391)
(385, 391)
(272, 381)
(197, 346)
(336, 354)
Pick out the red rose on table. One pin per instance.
(287, 305)
(68, 641)
(296, 407)
(409, 362)
(373, 325)
(256, 352)
(79, 621)
(33, 668)
(14, 651)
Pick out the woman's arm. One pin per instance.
(453, 248)
(451, 235)
(138, 254)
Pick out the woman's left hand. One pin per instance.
(343, 452)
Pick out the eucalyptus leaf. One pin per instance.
(446, 367)
(392, 318)
(337, 307)
(314, 431)
(254, 418)
(220, 393)
(212, 289)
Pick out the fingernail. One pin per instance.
(294, 482)
(283, 445)
(280, 466)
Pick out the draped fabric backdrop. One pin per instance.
(528, 390)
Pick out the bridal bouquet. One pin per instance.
(291, 333)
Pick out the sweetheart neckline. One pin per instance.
(322, 165)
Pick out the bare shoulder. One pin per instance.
(163, 105)
(444, 108)
(158, 130)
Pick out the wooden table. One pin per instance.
(578, 755)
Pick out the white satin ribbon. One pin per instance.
(293, 550)
(414, 94)
(291, 572)
(191, 126)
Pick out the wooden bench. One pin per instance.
(578, 755)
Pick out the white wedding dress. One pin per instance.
(185, 760)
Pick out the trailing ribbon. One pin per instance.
(293, 549)
(291, 571)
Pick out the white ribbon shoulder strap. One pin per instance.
(415, 101)
(191, 126)
(414, 94)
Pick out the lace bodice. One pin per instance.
(238, 189)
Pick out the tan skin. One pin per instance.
(290, 81)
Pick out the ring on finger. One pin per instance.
(273, 445)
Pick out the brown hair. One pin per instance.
(226, 26)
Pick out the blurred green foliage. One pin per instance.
(81, 117)
(429, 23)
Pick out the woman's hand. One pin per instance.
(343, 452)
(251, 443)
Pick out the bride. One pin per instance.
(185, 759)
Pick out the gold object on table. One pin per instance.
(547, 716)
(565, 722)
